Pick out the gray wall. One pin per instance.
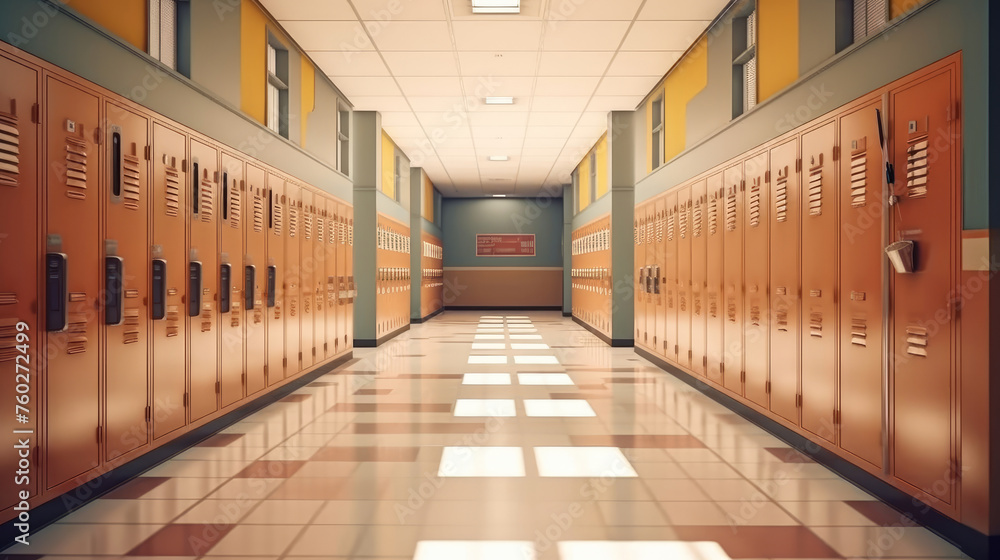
(463, 218)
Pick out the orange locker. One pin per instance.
(126, 280)
(169, 270)
(732, 270)
(659, 262)
(699, 254)
(714, 281)
(274, 279)
(819, 280)
(293, 280)
(232, 202)
(73, 275)
(639, 257)
(925, 132)
(784, 270)
(755, 309)
(19, 356)
(669, 345)
(683, 337)
(342, 276)
(319, 279)
(861, 258)
(307, 264)
(255, 279)
(352, 288)
(203, 281)
(332, 247)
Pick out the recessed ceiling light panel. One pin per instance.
(496, 6)
(499, 100)
(499, 158)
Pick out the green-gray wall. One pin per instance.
(463, 218)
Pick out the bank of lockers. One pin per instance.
(590, 274)
(162, 294)
(392, 305)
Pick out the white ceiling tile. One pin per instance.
(616, 102)
(479, 118)
(558, 86)
(438, 103)
(309, 10)
(549, 132)
(405, 35)
(518, 87)
(399, 118)
(563, 103)
(531, 143)
(376, 102)
(430, 86)
(643, 63)
(594, 118)
(422, 63)
(366, 86)
(398, 132)
(585, 35)
(349, 63)
(388, 11)
(492, 63)
(328, 35)
(497, 35)
(564, 63)
(682, 9)
(560, 11)
(630, 85)
(553, 119)
(663, 35)
(505, 132)
(590, 131)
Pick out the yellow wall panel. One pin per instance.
(126, 19)
(777, 45)
(388, 166)
(308, 95)
(900, 7)
(253, 62)
(687, 79)
(602, 166)
(427, 209)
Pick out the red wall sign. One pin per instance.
(505, 245)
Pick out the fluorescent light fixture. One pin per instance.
(499, 100)
(499, 196)
(496, 6)
(499, 158)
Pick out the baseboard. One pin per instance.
(612, 342)
(428, 317)
(374, 343)
(503, 308)
(60, 506)
(972, 542)
(567, 313)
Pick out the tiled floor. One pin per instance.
(454, 442)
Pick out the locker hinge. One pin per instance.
(37, 456)
(300, 356)
(265, 371)
(149, 413)
(148, 152)
(184, 165)
(836, 417)
(314, 351)
(743, 377)
(676, 349)
(98, 434)
(97, 135)
(722, 368)
(798, 164)
(704, 361)
(218, 387)
(35, 118)
(798, 400)
(284, 362)
(243, 379)
(767, 387)
(743, 185)
(690, 355)
(836, 153)
(185, 400)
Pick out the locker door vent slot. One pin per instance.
(235, 207)
(781, 319)
(755, 315)
(76, 168)
(277, 218)
(731, 210)
(755, 202)
(683, 228)
(207, 205)
(258, 213)
(130, 334)
(10, 150)
(859, 175)
(816, 189)
(659, 232)
(697, 304)
(916, 341)
(8, 299)
(816, 324)
(671, 224)
(293, 221)
(350, 233)
(173, 320)
(172, 194)
(319, 230)
(731, 309)
(713, 306)
(131, 190)
(916, 167)
(76, 331)
(236, 307)
(635, 233)
(697, 218)
(307, 226)
(713, 215)
(859, 331)
(781, 196)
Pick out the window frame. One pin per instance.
(657, 132)
(343, 156)
(277, 90)
(593, 176)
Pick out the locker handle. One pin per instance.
(114, 269)
(225, 195)
(249, 285)
(270, 209)
(194, 188)
(272, 281)
(225, 287)
(56, 292)
(116, 165)
(159, 307)
(194, 288)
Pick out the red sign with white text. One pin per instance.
(505, 245)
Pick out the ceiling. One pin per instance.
(427, 65)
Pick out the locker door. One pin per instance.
(684, 276)
(126, 280)
(307, 345)
(332, 338)
(640, 273)
(232, 202)
(732, 270)
(660, 263)
(274, 278)
(819, 281)
(925, 145)
(669, 214)
(699, 254)
(204, 203)
(784, 245)
(861, 258)
(293, 281)
(169, 271)
(319, 279)
(255, 294)
(352, 287)
(342, 277)
(715, 327)
(18, 249)
(755, 307)
(73, 274)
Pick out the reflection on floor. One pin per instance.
(455, 442)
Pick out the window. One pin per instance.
(397, 177)
(277, 87)
(745, 63)
(870, 16)
(169, 33)
(657, 141)
(344, 141)
(593, 176)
